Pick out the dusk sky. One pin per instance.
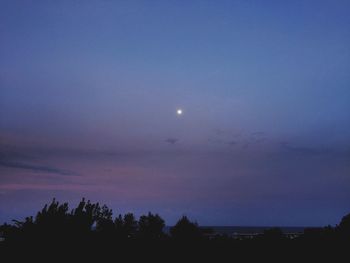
(89, 93)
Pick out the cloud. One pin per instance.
(254, 138)
(215, 140)
(257, 140)
(237, 139)
(232, 143)
(259, 133)
(257, 137)
(26, 158)
(222, 142)
(226, 133)
(172, 140)
(34, 167)
(304, 150)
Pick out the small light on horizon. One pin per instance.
(179, 112)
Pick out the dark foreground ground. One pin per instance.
(167, 251)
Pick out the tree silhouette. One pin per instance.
(52, 221)
(343, 228)
(184, 229)
(151, 226)
(85, 215)
(344, 225)
(104, 221)
(125, 227)
(90, 228)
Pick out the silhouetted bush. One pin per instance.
(185, 230)
(126, 228)
(344, 225)
(104, 222)
(151, 226)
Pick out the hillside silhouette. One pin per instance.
(90, 231)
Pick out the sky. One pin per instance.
(89, 93)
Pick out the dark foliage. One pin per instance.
(344, 227)
(185, 230)
(151, 226)
(89, 231)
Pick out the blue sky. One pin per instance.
(89, 93)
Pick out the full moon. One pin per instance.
(179, 112)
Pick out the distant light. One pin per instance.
(179, 112)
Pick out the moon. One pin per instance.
(179, 112)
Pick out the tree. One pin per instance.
(151, 226)
(52, 220)
(184, 229)
(84, 216)
(104, 221)
(344, 227)
(126, 226)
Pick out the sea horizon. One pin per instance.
(249, 229)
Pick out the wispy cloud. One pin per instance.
(304, 150)
(172, 140)
(237, 139)
(258, 133)
(232, 143)
(27, 158)
(35, 168)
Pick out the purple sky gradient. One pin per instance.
(89, 92)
